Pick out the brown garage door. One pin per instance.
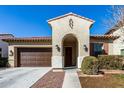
(34, 57)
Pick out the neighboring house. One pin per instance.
(118, 44)
(69, 44)
(4, 45)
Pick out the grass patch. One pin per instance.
(118, 76)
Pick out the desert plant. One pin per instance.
(90, 65)
(111, 62)
(3, 62)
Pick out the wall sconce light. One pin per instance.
(11, 53)
(85, 48)
(58, 48)
(102, 47)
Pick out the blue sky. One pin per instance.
(26, 21)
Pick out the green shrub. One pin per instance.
(90, 65)
(111, 62)
(3, 62)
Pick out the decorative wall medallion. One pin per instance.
(71, 23)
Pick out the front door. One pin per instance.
(68, 56)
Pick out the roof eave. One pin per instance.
(53, 19)
(109, 37)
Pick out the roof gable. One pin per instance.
(70, 14)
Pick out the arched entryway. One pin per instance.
(70, 50)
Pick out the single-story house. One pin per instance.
(69, 44)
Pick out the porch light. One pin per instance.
(58, 48)
(102, 47)
(85, 48)
(11, 53)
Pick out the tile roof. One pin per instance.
(104, 37)
(5, 36)
(115, 27)
(49, 39)
(28, 39)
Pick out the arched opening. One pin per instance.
(70, 50)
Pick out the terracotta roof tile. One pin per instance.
(49, 39)
(5, 36)
(27, 39)
(104, 37)
(115, 27)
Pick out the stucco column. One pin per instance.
(82, 52)
(57, 58)
(11, 57)
(80, 56)
(57, 61)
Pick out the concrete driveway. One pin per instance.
(23, 77)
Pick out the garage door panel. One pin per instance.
(35, 57)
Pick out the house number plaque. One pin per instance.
(71, 23)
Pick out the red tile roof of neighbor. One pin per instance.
(104, 37)
(28, 39)
(115, 27)
(5, 36)
(49, 39)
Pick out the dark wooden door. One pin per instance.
(68, 56)
(34, 57)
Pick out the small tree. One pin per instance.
(115, 17)
(115, 20)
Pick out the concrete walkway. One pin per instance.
(71, 79)
(21, 77)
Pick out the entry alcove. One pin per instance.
(70, 50)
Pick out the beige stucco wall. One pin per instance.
(110, 48)
(60, 28)
(118, 44)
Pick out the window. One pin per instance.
(98, 49)
(122, 51)
(0, 52)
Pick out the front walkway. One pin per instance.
(71, 79)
